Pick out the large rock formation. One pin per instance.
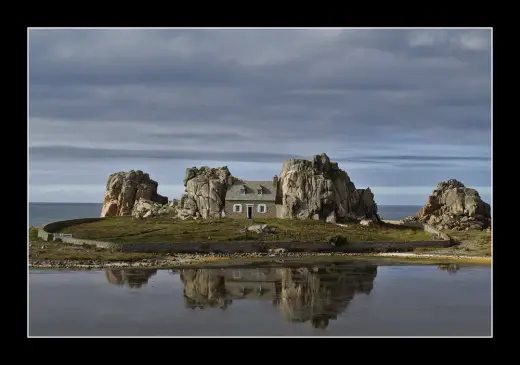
(454, 206)
(319, 189)
(205, 192)
(123, 189)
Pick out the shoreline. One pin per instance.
(205, 260)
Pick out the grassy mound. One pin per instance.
(163, 229)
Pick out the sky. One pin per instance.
(398, 109)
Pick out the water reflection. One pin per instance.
(133, 278)
(450, 268)
(315, 294)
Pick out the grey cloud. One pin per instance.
(419, 176)
(263, 96)
(75, 153)
(426, 158)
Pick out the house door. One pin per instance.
(249, 212)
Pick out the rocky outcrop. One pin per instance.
(319, 189)
(123, 189)
(146, 208)
(454, 206)
(205, 192)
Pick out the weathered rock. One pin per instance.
(205, 192)
(277, 251)
(261, 228)
(454, 206)
(367, 222)
(319, 189)
(123, 189)
(146, 208)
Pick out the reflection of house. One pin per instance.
(259, 284)
(315, 294)
(250, 199)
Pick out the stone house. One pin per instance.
(253, 199)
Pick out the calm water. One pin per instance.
(41, 213)
(343, 299)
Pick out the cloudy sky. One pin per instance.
(400, 110)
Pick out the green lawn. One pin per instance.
(478, 241)
(163, 229)
(480, 237)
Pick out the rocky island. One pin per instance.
(454, 206)
(312, 208)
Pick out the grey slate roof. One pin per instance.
(252, 187)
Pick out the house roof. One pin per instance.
(252, 187)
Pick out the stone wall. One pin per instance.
(46, 232)
(427, 228)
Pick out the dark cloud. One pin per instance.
(100, 154)
(365, 97)
(425, 158)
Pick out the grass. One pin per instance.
(40, 250)
(43, 251)
(473, 241)
(163, 229)
(33, 234)
(480, 237)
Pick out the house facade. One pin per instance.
(253, 199)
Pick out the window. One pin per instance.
(259, 191)
(243, 191)
(237, 208)
(261, 208)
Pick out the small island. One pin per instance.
(311, 209)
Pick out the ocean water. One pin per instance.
(342, 298)
(41, 213)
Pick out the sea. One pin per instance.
(320, 297)
(41, 213)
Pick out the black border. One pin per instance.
(238, 19)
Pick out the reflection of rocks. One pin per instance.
(320, 294)
(204, 288)
(315, 294)
(132, 278)
(450, 268)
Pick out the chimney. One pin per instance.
(275, 181)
